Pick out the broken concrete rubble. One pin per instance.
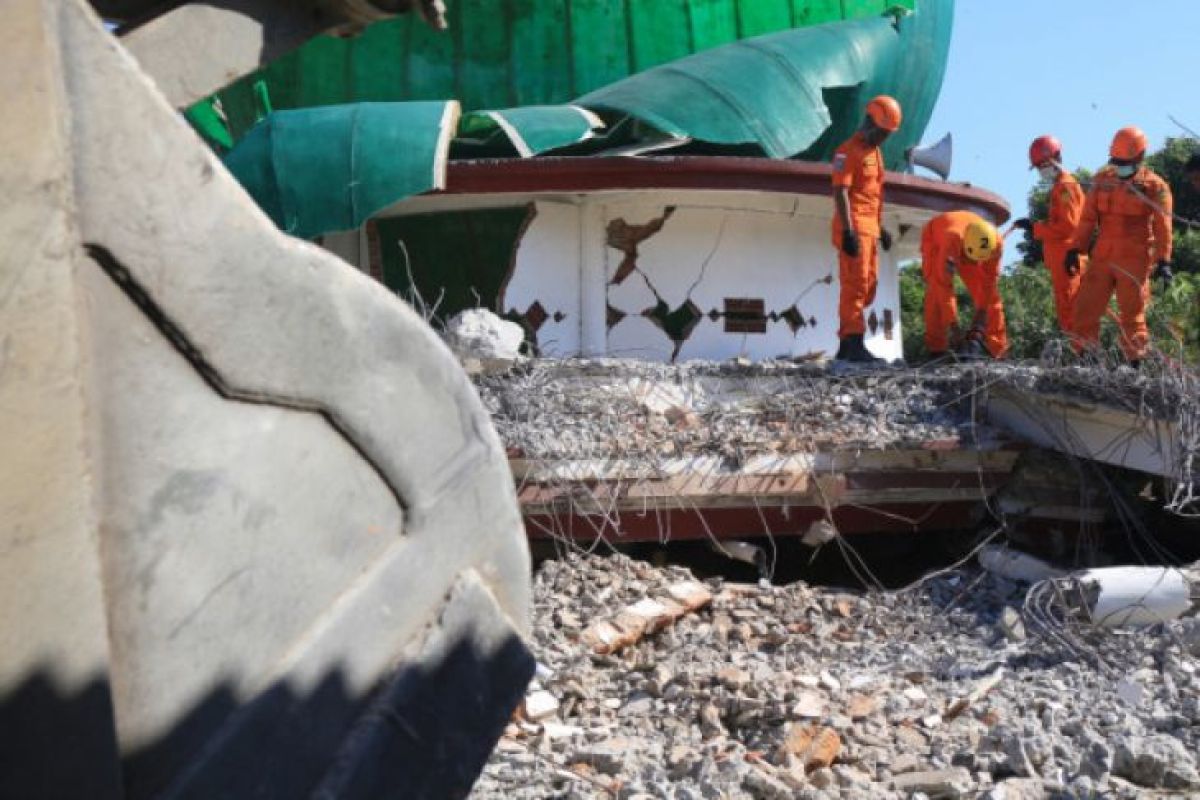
(762, 449)
(622, 450)
(706, 707)
(481, 335)
(646, 616)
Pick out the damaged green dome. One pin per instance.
(540, 52)
(795, 93)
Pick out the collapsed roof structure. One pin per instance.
(649, 183)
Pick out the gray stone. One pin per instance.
(1155, 761)
(848, 776)
(763, 786)
(478, 333)
(822, 778)
(607, 756)
(942, 783)
(1016, 789)
(638, 705)
(1011, 624)
(710, 721)
(1095, 759)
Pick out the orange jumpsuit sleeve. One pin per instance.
(1088, 219)
(1160, 220)
(847, 161)
(1066, 207)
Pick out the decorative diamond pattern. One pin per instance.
(536, 316)
(677, 323)
(793, 318)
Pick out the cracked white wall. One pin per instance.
(709, 254)
(715, 245)
(547, 272)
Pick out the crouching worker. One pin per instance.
(964, 243)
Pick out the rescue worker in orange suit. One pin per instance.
(857, 232)
(963, 242)
(1131, 208)
(1066, 206)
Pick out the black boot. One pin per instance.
(972, 350)
(852, 349)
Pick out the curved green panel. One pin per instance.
(765, 91)
(799, 92)
(508, 53)
(531, 129)
(316, 170)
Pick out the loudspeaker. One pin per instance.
(935, 158)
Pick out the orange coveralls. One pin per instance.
(1066, 206)
(1134, 217)
(859, 167)
(942, 242)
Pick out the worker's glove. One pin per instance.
(1071, 264)
(850, 243)
(885, 239)
(1162, 271)
(1024, 224)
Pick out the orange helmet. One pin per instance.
(884, 111)
(1128, 145)
(1043, 149)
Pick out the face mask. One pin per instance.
(1126, 170)
(1048, 174)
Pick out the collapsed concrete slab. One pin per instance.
(250, 508)
(629, 451)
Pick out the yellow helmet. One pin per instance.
(980, 240)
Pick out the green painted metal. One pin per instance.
(799, 92)
(455, 260)
(508, 53)
(531, 129)
(208, 123)
(316, 170)
(764, 91)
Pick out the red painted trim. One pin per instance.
(716, 173)
(745, 523)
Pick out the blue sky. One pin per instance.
(1079, 69)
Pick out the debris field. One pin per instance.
(942, 689)
(654, 684)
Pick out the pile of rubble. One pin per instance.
(1161, 387)
(607, 408)
(722, 690)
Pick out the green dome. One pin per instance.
(509, 53)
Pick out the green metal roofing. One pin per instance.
(315, 170)
(799, 92)
(531, 129)
(508, 53)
